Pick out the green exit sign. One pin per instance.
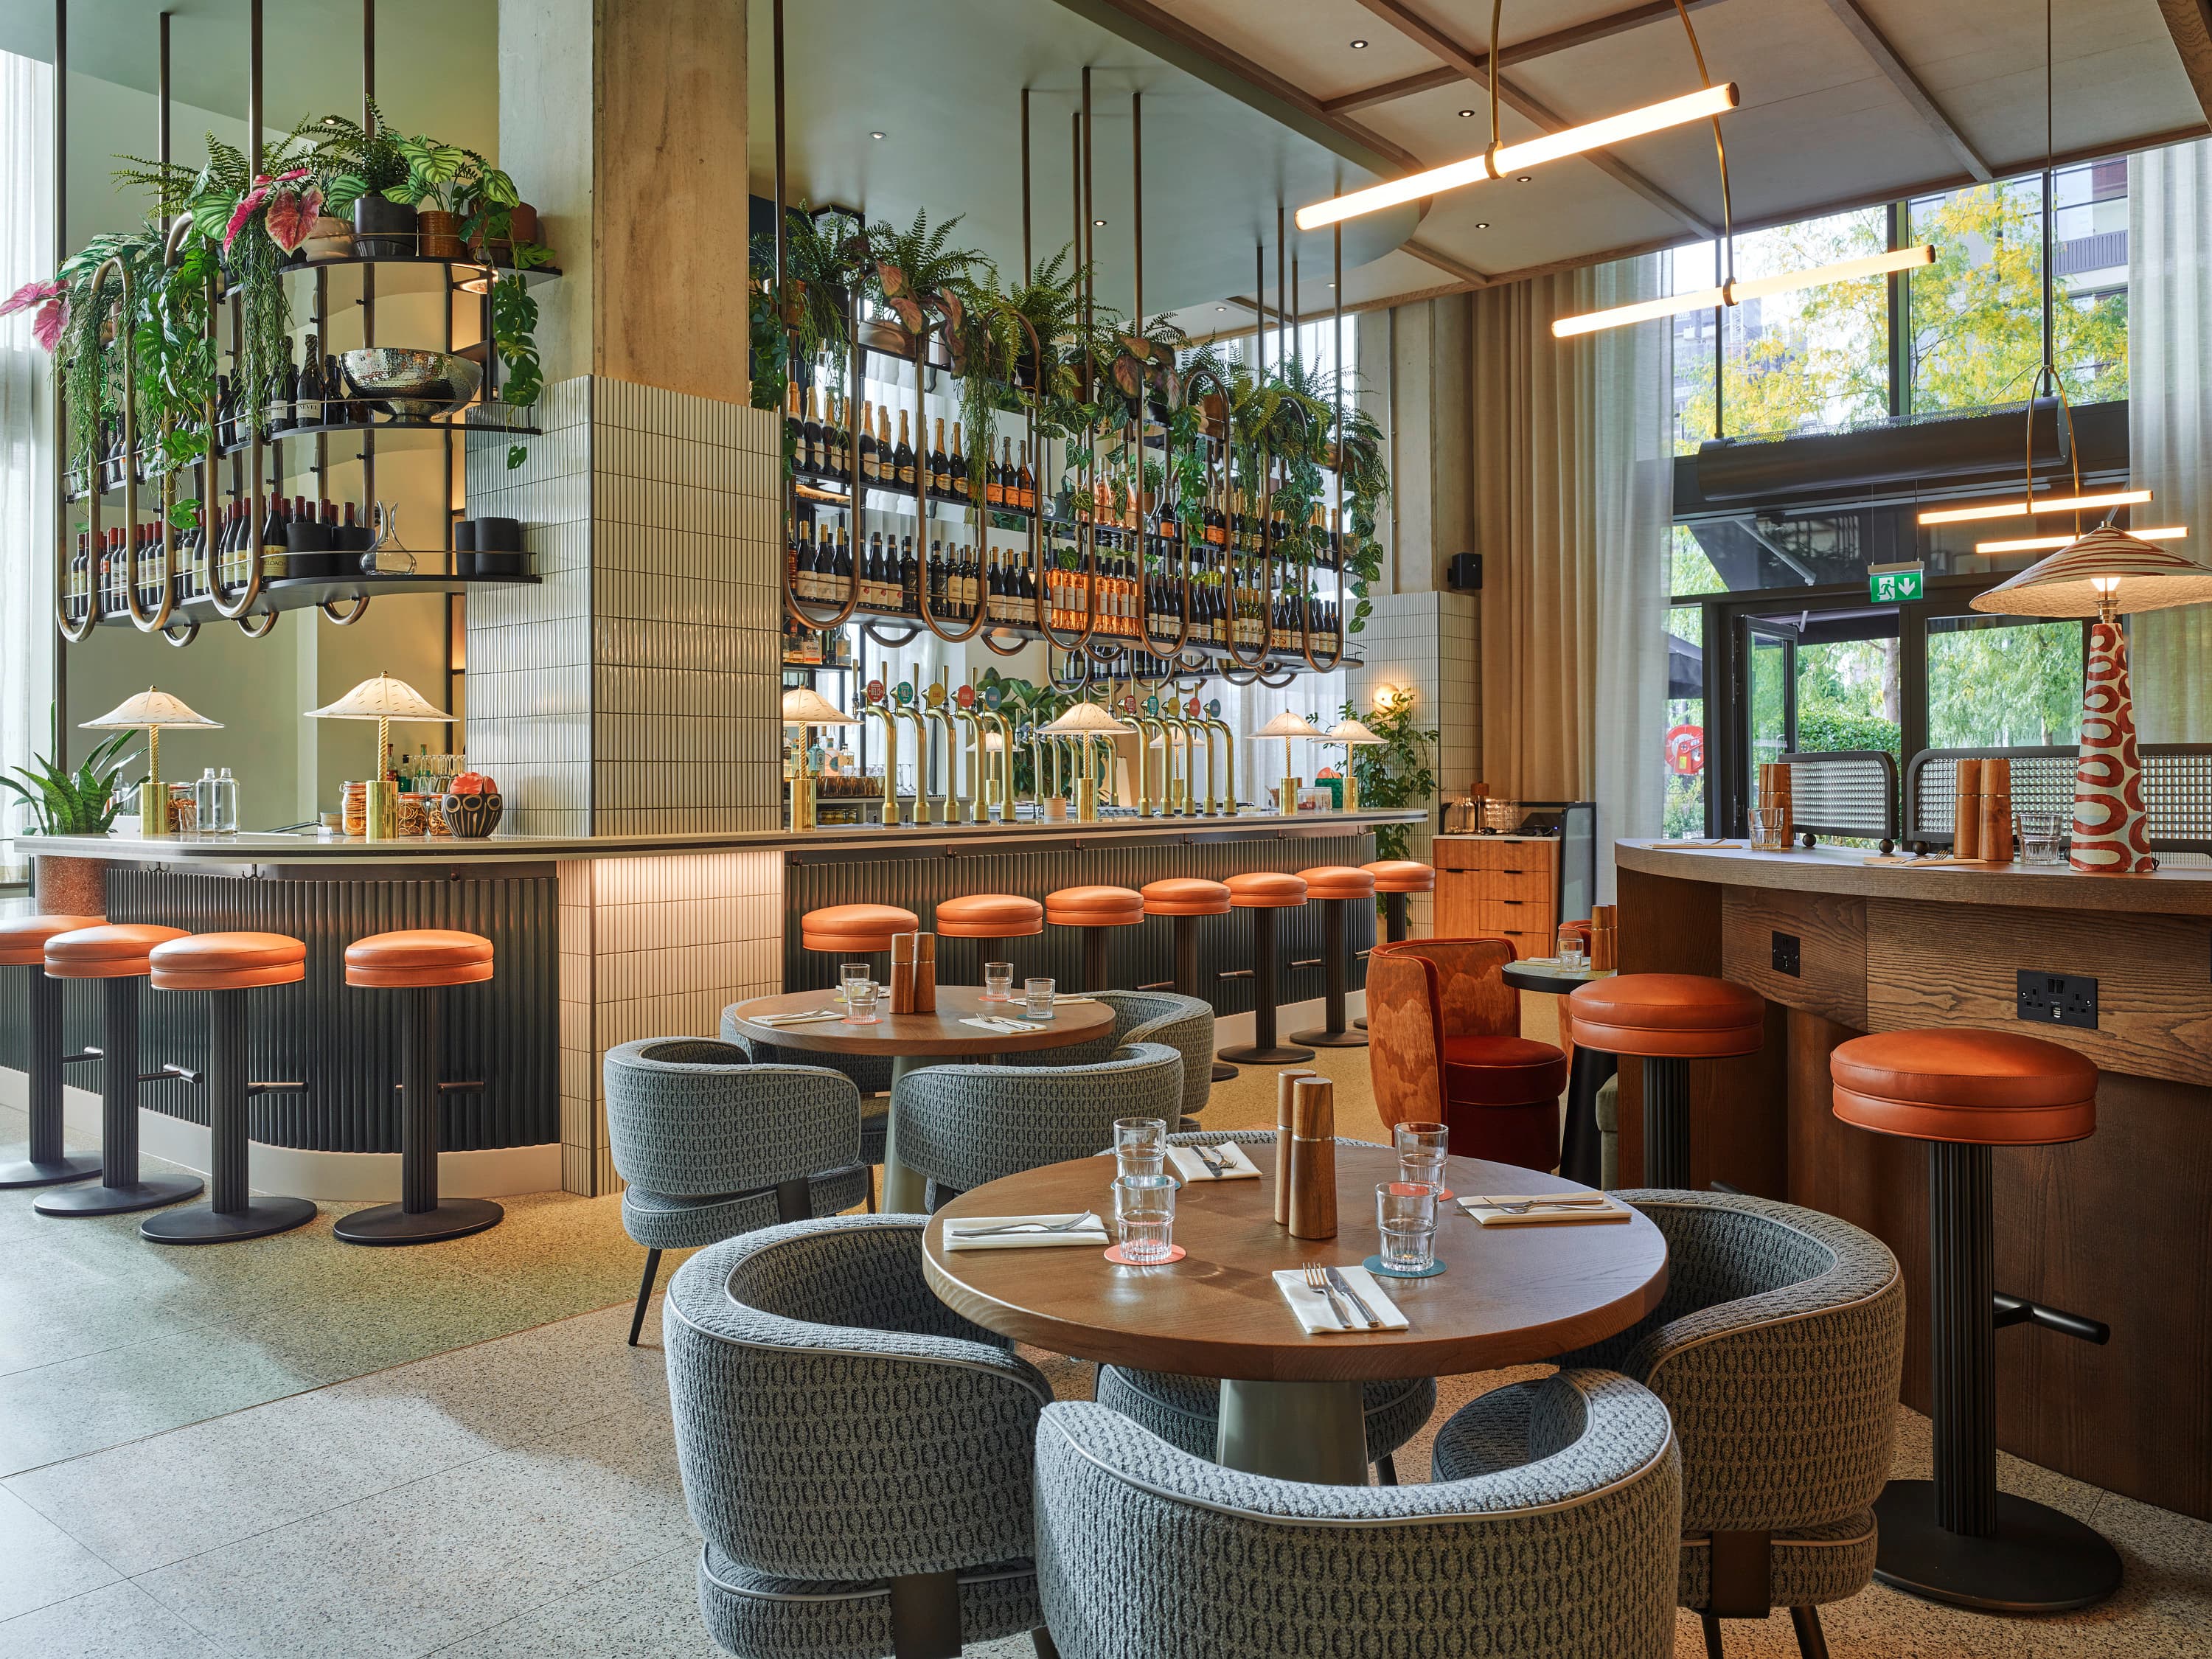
(1894, 583)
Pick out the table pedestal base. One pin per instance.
(905, 1191)
(1312, 1432)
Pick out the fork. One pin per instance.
(1318, 1280)
(1073, 1225)
(1216, 1167)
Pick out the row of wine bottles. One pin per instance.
(823, 447)
(199, 563)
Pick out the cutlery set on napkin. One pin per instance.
(1023, 1232)
(1202, 1163)
(1543, 1209)
(805, 1016)
(1000, 1023)
(1336, 1303)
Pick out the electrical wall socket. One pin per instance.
(1785, 954)
(2058, 999)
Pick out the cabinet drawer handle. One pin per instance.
(1515, 901)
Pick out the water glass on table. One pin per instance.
(1140, 1146)
(1421, 1149)
(2042, 837)
(1574, 947)
(1405, 1217)
(853, 973)
(861, 1002)
(1037, 998)
(1144, 1217)
(997, 981)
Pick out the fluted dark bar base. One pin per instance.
(2037, 1560)
(49, 1172)
(393, 1224)
(103, 1199)
(258, 1218)
(1667, 1122)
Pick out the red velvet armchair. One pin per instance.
(1444, 1045)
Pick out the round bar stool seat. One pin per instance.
(117, 952)
(1184, 900)
(855, 929)
(1956, 1538)
(228, 965)
(1264, 892)
(989, 915)
(1095, 910)
(1668, 1020)
(1402, 876)
(1337, 887)
(418, 962)
(24, 944)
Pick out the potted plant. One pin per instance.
(1394, 772)
(434, 188)
(79, 803)
(359, 165)
(915, 275)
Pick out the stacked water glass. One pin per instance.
(997, 981)
(856, 982)
(1144, 1193)
(1405, 1209)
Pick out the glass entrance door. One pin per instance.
(1770, 702)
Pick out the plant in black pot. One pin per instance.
(357, 165)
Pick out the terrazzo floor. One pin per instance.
(295, 1448)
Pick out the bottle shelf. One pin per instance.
(477, 270)
(387, 424)
(1288, 658)
(304, 592)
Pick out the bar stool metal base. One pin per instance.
(393, 1224)
(49, 1171)
(1278, 1055)
(1350, 1039)
(2037, 1561)
(202, 1224)
(121, 1201)
(1339, 1033)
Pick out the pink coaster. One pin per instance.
(1114, 1254)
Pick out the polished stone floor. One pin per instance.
(295, 1448)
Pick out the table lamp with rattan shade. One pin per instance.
(383, 700)
(2101, 577)
(153, 710)
(1086, 721)
(806, 708)
(1353, 734)
(1287, 726)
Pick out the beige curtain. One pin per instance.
(1572, 474)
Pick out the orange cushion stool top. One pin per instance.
(1668, 1016)
(108, 950)
(1266, 890)
(416, 957)
(23, 939)
(228, 962)
(859, 928)
(1977, 1088)
(1402, 876)
(989, 915)
(1503, 1071)
(1338, 881)
(1095, 907)
(1185, 896)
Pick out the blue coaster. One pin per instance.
(1374, 1265)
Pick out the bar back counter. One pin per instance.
(602, 939)
(2115, 1226)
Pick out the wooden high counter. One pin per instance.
(2117, 1227)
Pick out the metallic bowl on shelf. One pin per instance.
(411, 383)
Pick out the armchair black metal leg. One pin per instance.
(1386, 1469)
(644, 1294)
(1713, 1648)
(1811, 1640)
(1041, 1639)
(926, 1616)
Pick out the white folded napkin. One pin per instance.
(1314, 1313)
(1191, 1167)
(957, 1234)
(1547, 1209)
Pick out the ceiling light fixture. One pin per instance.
(2172, 532)
(1359, 45)
(1465, 113)
(876, 136)
(2045, 504)
(1735, 291)
(1482, 224)
(1500, 161)
(1097, 222)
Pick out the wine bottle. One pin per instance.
(869, 464)
(1025, 483)
(886, 457)
(307, 387)
(839, 457)
(795, 443)
(940, 465)
(842, 588)
(1010, 483)
(902, 459)
(909, 579)
(935, 578)
(957, 466)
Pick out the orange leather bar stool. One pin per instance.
(1184, 900)
(417, 964)
(1264, 892)
(24, 944)
(1668, 1020)
(1096, 910)
(989, 919)
(855, 930)
(116, 952)
(227, 966)
(1394, 879)
(1336, 887)
(1957, 1538)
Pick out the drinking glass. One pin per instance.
(1574, 948)
(1769, 828)
(997, 981)
(1037, 998)
(1421, 1148)
(1405, 1217)
(850, 974)
(1144, 1216)
(859, 1002)
(1141, 1145)
(2042, 837)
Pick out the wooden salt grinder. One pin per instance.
(1966, 814)
(1284, 1080)
(903, 973)
(1313, 1158)
(1997, 809)
(924, 973)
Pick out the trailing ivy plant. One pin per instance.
(1395, 772)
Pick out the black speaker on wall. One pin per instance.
(1467, 572)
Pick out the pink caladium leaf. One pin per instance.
(892, 279)
(248, 205)
(48, 302)
(911, 315)
(29, 295)
(290, 213)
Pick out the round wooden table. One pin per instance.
(911, 1040)
(1581, 1144)
(1291, 1402)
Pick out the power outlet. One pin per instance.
(2058, 999)
(1785, 954)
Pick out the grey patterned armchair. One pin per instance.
(1777, 1348)
(710, 1145)
(962, 1125)
(1184, 1023)
(856, 1455)
(871, 1075)
(1562, 1546)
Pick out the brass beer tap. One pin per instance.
(888, 716)
(1223, 805)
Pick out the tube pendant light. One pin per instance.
(2023, 509)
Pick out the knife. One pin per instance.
(1341, 1283)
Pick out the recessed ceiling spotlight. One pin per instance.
(1221, 307)
(1467, 115)
(1332, 284)
(876, 136)
(1097, 222)
(1482, 224)
(1359, 45)
(1524, 178)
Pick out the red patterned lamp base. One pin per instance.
(2109, 835)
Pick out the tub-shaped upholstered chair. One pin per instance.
(962, 1125)
(1184, 1023)
(712, 1145)
(857, 1457)
(1561, 1547)
(1778, 1349)
(871, 1075)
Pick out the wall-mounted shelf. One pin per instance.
(468, 275)
(305, 593)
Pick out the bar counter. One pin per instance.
(2114, 1227)
(601, 939)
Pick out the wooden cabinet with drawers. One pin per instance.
(1499, 886)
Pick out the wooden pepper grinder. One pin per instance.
(1966, 814)
(1605, 937)
(1313, 1158)
(1283, 1081)
(1996, 811)
(924, 973)
(903, 973)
